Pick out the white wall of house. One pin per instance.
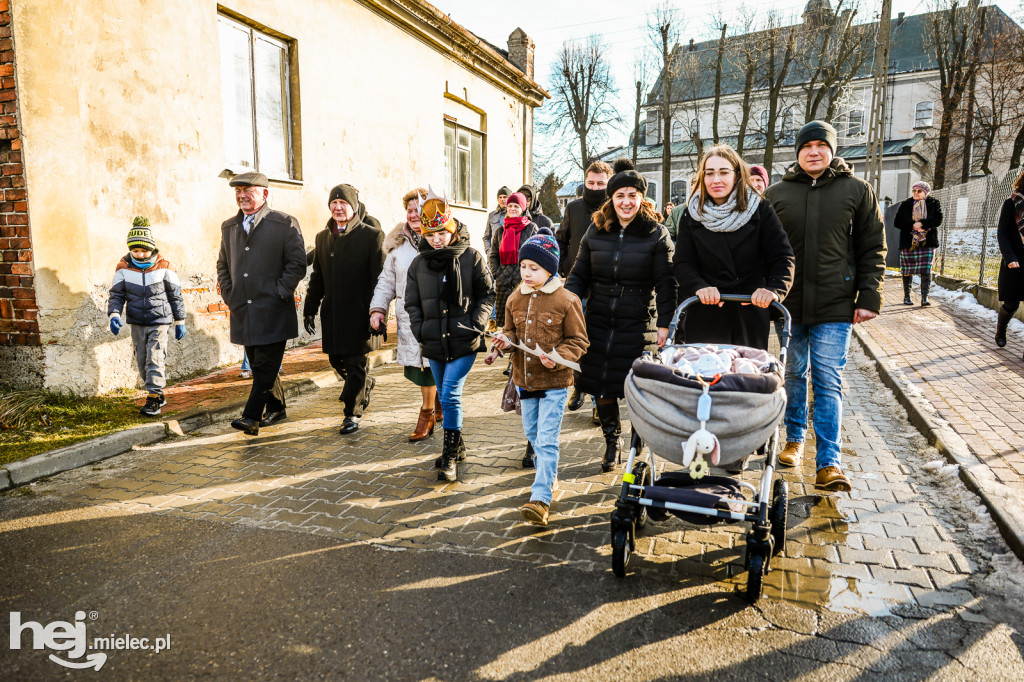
(128, 118)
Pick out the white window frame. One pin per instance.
(452, 162)
(677, 131)
(254, 163)
(921, 121)
(855, 123)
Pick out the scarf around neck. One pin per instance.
(446, 262)
(1018, 205)
(726, 217)
(508, 251)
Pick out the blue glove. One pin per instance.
(115, 325)
(179, 332)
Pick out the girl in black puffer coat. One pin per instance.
(449, 287)
(625, 262)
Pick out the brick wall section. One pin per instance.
(19, 325)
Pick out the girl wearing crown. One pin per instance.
(448, 296)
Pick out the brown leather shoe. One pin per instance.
(536, 512)
(438, 415)
(831, 478)
(424, 427)
(792, 454)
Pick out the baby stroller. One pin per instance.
(689, 417)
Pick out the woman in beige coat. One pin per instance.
(400, 247)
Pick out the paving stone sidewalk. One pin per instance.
(948, 354)
(894, 543)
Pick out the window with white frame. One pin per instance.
(923, 114)
(764, 120)
(677, 131)
(464, 164)
(855, 125)
(256, 97)
(695, 127)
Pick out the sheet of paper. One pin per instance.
(551, 355)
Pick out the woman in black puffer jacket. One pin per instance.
(449, 287)
(625, 262)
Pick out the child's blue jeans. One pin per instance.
(542, 423)
(450, 377)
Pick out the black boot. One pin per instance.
(449, 456)
(576, 401)
(460, 453)
(908, 281)
(926, 282)
(608, 413)
(1002, 321)
(528, 461)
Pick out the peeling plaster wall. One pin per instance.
(125, 119)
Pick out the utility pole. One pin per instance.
(876, 126)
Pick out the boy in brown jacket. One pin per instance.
(542, 313)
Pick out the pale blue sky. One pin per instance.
(551, 22)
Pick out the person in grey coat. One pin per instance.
(262, 259)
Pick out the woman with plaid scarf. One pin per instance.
(918, 219)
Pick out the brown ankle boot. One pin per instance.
(424, 427)
(792, 454)
(438, 416)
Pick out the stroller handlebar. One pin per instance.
(734, 298)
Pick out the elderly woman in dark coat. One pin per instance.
(625, 263)
(918, 219)
(1010, 234)
(730, 242)
(449, 296)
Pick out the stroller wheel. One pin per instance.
(622, 549)
(755, 577)
(642, 472)
(778, 515)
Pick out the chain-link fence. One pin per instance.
(967, 237)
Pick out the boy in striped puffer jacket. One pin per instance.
(149, 293)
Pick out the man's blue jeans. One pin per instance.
(542, 423)
(450, 377)
(825, 346)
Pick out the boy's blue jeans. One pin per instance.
(825, 346)
(542, 423)
(450, 377)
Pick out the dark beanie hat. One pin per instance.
(816, 130)
(542, 249)
(346, 193)
(504, 191)
(141, 238)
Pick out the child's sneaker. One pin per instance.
(153, 404)
(536, 512)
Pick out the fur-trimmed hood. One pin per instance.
(396, 237)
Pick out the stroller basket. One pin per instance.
(711, 492)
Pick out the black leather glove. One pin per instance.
(309, 322)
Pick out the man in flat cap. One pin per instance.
(262, 259)
(347, 260)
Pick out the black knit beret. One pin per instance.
(627, 178)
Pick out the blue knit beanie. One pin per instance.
(542, 249)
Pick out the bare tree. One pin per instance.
(583, 101)
(1000, 81)
(664, 33)
(745, 55)
(779, 50)
(954, 31)
(719, 60)
(642, 75)
(834, 51)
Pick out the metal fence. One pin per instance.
(967, 237)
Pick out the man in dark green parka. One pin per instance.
(835, 227)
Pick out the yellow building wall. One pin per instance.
(121, 113)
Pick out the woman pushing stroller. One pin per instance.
(730, 241)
